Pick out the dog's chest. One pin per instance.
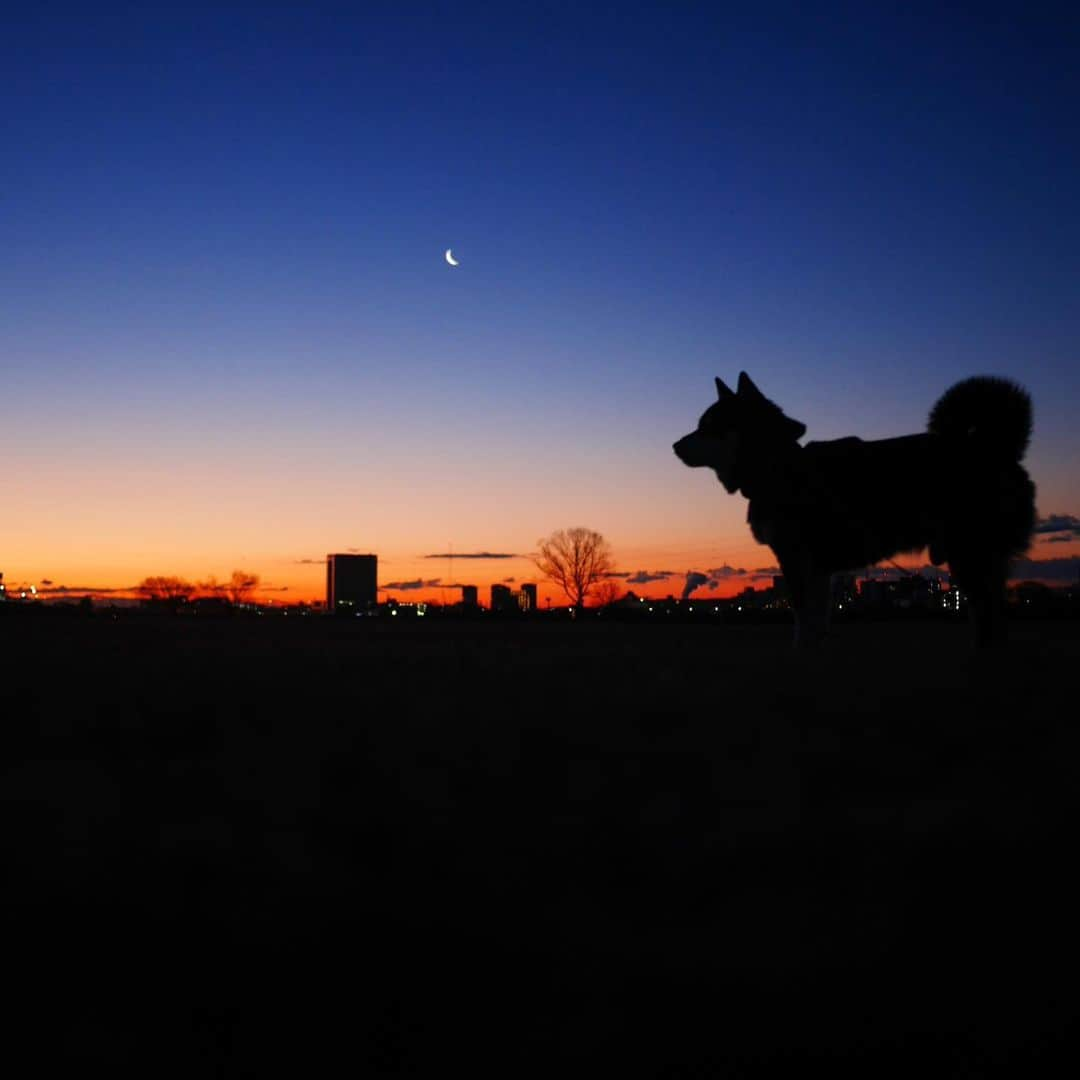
(762, 529)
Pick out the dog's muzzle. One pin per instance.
(688, 449)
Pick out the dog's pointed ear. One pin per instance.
(747, 388)
(722, 390)
(796, 427)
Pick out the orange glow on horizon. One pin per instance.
(83, 552)
(288, 581)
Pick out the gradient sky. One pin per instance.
(228, 337)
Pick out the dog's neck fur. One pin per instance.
(754, 474)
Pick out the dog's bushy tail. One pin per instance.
(990, 415)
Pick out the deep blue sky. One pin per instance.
(212, 214)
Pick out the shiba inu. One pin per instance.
(957, 489)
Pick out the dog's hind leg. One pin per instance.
(812, 622)
(983, 580)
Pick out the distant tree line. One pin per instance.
(239, 589)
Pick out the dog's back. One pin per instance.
(864, 501)
(857, 501)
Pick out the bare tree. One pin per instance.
(210, 587)
(575, 560)
(165, 588)
(241, 585)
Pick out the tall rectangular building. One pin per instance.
(502, 599)
(351, 582)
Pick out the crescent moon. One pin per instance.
(450, 257)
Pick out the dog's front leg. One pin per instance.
(812, 620)
(809, 589)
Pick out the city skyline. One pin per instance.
(230, 337)
(720, 583)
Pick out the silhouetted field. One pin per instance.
(255, 847)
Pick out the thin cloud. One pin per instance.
(1056, 523)
(713, 578)
(310, 562)
(84, 589)
(643, 577)
(407, 586)
(473, 555)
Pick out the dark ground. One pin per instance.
(256, 847)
